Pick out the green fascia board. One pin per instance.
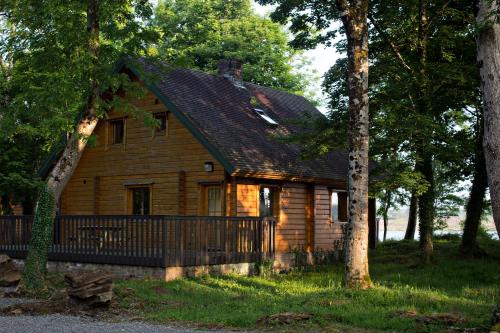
(184, 120)
(47, 166)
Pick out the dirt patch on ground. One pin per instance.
(64, 305)
(464, 330)
(172, 304)
(436, 318)
(285, 318)
(161, 290)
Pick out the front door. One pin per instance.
(212, 206)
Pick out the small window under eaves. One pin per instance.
(262, 114)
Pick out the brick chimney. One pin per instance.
(232, 68)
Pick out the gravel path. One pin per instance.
(5, 302)
(70, 324)
(57, 323)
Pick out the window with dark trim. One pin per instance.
(117, 131)
(269, 201)
(338, 206)
(334, 202)
(141, 200)
(163, 123)
(214, 200)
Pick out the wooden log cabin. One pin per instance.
(215, 153)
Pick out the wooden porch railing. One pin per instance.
(155, 240)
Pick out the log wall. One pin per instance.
(325, 231)
(99, 185)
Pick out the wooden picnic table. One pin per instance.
(98, 234)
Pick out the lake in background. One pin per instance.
(398, 220)
(399, 234)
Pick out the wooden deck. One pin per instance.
(157, 241)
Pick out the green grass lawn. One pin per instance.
(404, 294)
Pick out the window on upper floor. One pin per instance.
(162, 119)
(116, 131)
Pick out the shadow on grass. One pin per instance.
(449, 286)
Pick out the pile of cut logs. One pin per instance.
(9, 274)
(92, 289)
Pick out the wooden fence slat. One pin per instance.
(158, 241)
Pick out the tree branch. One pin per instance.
(438, 15)
(343, 7)
(393, 46)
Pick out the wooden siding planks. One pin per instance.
(156, 159)
(291, 230)
(247, 197)
(325, 232)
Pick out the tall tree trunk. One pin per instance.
(426, 209)
(488, 57)
(385, 229)
(36, 263)
(412, 218)
(354, 18)
(475, 204)
(424, 162)
(387, 205)
(67, 163)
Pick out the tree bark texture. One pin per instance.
(424, 163)
(412, 218)
(488, 57)
(354, 18)
(36, 262)
(387, 205)
(77, 141)
(475, 204)
(426, 209)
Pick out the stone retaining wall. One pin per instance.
(141, 272)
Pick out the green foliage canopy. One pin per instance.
(197, 34)
(46, 70)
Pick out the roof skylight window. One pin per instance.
(261, 113)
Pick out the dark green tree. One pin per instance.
(197, 34)
(21, 149)
(432, 79)
(307, 19)
(63, 68)
(476, 204)
(488, 58)
(423, 78)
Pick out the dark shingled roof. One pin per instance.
(222, 114)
